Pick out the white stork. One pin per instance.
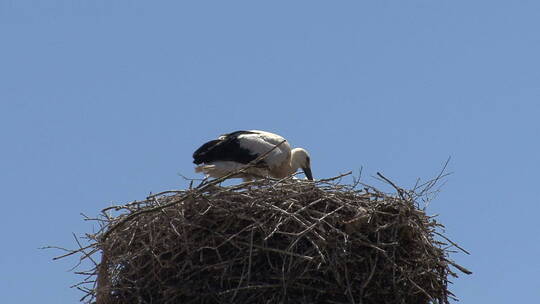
(234, 150)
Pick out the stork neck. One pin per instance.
(296, 159)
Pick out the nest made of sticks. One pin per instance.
(268, 241)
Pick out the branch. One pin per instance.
(398, 189)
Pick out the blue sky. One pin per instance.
(103, 101)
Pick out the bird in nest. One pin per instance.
(235, 150)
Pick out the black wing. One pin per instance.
(227, 148)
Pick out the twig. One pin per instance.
(335, 177)
(461, 268)
(398, 189)
(449, 240)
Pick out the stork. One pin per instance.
(235, 150)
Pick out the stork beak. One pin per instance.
(307, 172)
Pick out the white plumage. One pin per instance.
(235, 150)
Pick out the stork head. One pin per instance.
(300, 159)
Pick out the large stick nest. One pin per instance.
(267, 241)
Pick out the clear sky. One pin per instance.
(104, 101)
